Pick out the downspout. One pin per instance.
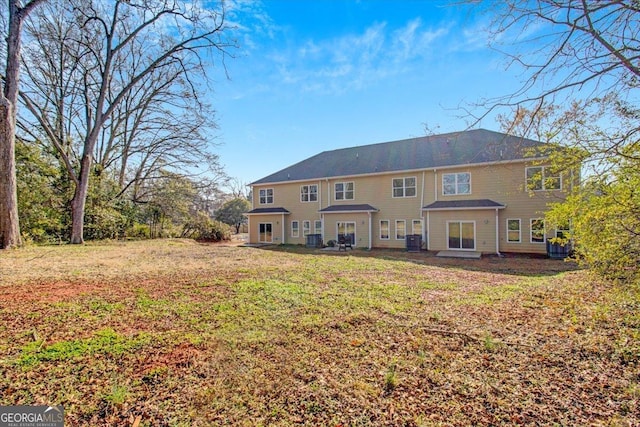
(428, 231)
(497, 235)
(370, 231)
(435, 185)
(421, 213)
(284, 235)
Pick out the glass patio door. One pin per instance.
(347, 229)
(461, 235)
(266, 233)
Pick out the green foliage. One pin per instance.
(104, 216)
(201, 227)
(594, 140)
(606, 222)
(41, 195)
(232, 212)
(105, 341)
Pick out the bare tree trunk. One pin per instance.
(9, 222)
(79, 200)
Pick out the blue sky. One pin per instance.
(318, 75)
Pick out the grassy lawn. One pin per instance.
(175, 333)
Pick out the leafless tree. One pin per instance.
(9, 223)
(127, 59)
(567, 48)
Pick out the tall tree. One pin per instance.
(232, 212)
(126, 55)
(581, 62)
(581, 48)
(9, 222)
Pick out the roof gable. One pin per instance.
(433, 151)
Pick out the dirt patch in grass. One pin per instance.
(181, 333)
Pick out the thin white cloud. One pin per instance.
(353, 61)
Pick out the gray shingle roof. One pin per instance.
(265, 211)
(349, 208)
(450, 149)
(463, 204)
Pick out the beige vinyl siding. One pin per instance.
(275, 220)
(287, 195)
(485, 230)
(361, 221)
(503, 183)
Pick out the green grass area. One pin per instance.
(183, 334)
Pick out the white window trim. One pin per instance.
(266, 198)
(308, 193)
(405, 229)
(456, 193)
(295, 233)
(544, 179)
(404, 187)
(306, 224)
(335, 192)
(544, 231)
(317, 229)
(519, 230)
(388, 230)
(475, 238)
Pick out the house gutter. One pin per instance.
(497, 235)
(370, 231)
(284, 234)
(421, 205)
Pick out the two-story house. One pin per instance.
(475, 190)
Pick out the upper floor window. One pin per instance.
(344, 190)
(542, 178)
(404, 187)
(456, 183)
(309, 193)
(266, 196)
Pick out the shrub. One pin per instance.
(204, 228)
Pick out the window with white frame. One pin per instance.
(317, 226)
(306, 227)
(295, 229)
(266, 196)
(404, 187)
(513, 230)
(541, 178)
(401, 229)
(309, 193)
(536, 230)
(344, 190)
(416, 226)
(456, 183)
(384, 229)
